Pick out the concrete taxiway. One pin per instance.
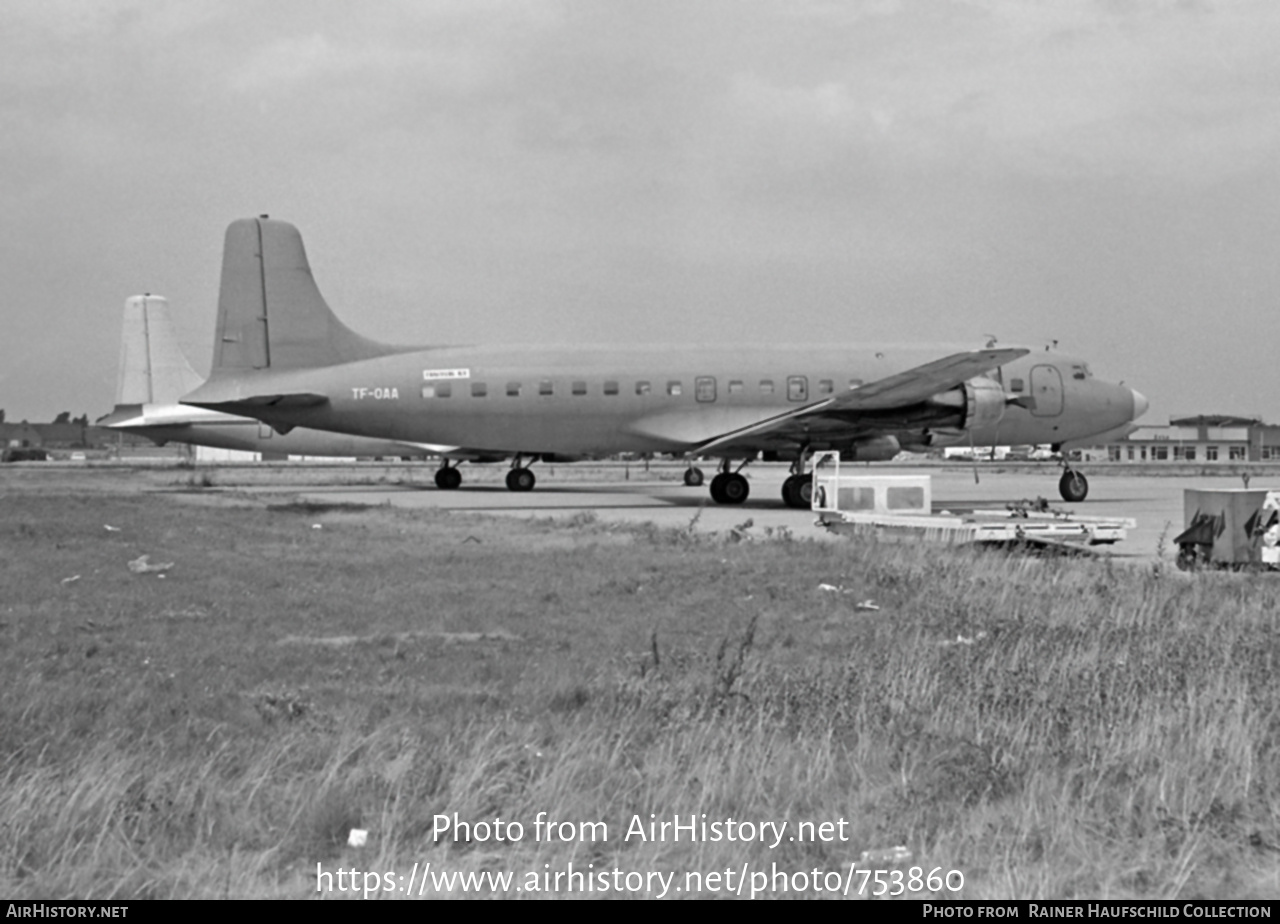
(615, 491)
(1154, 502)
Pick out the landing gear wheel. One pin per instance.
(447, 479)
(797, 491)
(693, 477)
(520, 479)
(729, 488)
(736, 488)
(1073, 486)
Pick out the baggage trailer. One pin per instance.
(899, 507)
(1236, 528)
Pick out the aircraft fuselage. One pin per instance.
(593, 401)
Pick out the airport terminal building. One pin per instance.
(1205, 438)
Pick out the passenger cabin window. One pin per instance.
(797, 388)
(642, 388)
(675, 389)
(546, 387)
(479, 389)
(437, 390)
(704, 388)
(610, 388)
(1077, 372)
(766, 386)
(855, 383)
(513, 389)
(1015, 385)
(735, 386)
(579, 388)
(825, 386)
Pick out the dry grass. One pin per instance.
(1049, 728)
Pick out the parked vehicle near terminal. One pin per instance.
(24, 454)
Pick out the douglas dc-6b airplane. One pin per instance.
(153, 374)
(281, 356)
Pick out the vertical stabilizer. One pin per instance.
(152, 368)
(271, 314)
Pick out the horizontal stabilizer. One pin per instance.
(298, 399)
(124, 416)
(248, 404)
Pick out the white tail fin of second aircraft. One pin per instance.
(153, 369)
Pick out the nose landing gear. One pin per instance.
(1073, 486)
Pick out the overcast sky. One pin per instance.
(1103, 174)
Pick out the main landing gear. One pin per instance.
(520, 478)
(693, 477)
(797, 490)
(730, 487)
(448, 477)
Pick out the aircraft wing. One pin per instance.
(896, 391)
(922, 382)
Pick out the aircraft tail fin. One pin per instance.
(271, 314)
(152, 369)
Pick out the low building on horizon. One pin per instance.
(1208, 438)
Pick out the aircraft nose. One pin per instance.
(1140, 403)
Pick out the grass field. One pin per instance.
(1047, 728)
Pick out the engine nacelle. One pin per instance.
(977, 404)
(984, 403)
(872, 449)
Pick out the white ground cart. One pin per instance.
(900, 507)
